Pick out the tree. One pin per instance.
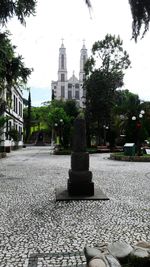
(62, 114)
(3, 120)
(140, 14)
(127, 106)
(24, 8)
(18, 8)
(104, 74)
(13, 72)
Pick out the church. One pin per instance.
(71, 88)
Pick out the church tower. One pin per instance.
(83, 59)
(62, 73)
(71, 88)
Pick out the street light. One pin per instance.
(58, 129)
(105, 127)
(61, 124)
(138, 127)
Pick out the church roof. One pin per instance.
(73, 79)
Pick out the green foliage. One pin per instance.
(12, 69)
(18, 8)
(127, 106)
(14, 134)
(3, 120)
(68, 106)
(127, 103)
(56, 114)
(104, 74)
(65, 111)
(51, 113)
(2, 123)
(141, 16)
(111, 54)
(13, 72)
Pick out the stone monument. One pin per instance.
(80, 178)
(79, 184)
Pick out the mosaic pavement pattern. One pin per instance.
(37, 231)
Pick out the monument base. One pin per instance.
(63, 195)
(80, 188)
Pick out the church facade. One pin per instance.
(71, 88)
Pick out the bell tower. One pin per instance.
(83, 59)
(62, 72)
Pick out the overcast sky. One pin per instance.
(40, 40)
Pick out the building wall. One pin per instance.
(15, 114)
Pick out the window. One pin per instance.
(9, 127)
(69, 94)
(69, 85)
(77, 85)
(20, 133)
(14, 103)
(62, 62)
(62, 77)
(84, 60)
(62, 91)
(20, 109)
(76, 94)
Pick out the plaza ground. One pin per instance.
(37, 231)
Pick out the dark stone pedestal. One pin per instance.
(81, 188)
(80, 178)
(62, 195)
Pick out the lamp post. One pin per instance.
(56, 138)
(58, 129)
(138, 127)
(105, 127)
(60, 134)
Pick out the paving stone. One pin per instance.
(119, 249)
(32, 222)
(140, 253)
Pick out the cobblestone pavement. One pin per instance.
(37, 231)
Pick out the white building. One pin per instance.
(14, 112)
(71, 88)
